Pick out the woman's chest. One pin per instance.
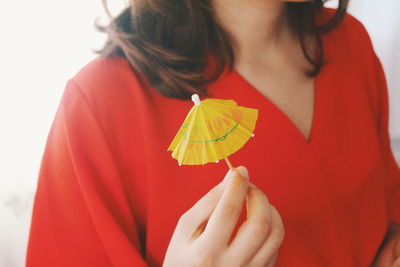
(305, 180)
(293, 172)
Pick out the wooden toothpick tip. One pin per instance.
(228, 163)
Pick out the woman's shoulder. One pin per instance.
(110, 91)
(356, 61)
(103, 76)
(350, 33)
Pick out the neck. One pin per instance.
(254, 26)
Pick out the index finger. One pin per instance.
(226, 214)
(201, 211)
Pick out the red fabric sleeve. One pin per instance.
(393, 171)
(81, 216)
(380, 102)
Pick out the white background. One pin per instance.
(44, 43)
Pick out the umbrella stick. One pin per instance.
(229, 163)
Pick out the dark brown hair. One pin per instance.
(169, 41)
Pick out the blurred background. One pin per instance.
(44, 43)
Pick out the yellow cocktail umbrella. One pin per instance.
(212, 130)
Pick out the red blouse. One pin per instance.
(109, 194)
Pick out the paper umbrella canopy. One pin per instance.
(213, 130)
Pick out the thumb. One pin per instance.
(242, 170)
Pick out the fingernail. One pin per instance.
(243, 171)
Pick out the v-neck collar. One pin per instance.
(246, 85)
(234, 77)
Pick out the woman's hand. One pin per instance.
(202, 236)
(389, 252)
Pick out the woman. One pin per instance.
(321, 186)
